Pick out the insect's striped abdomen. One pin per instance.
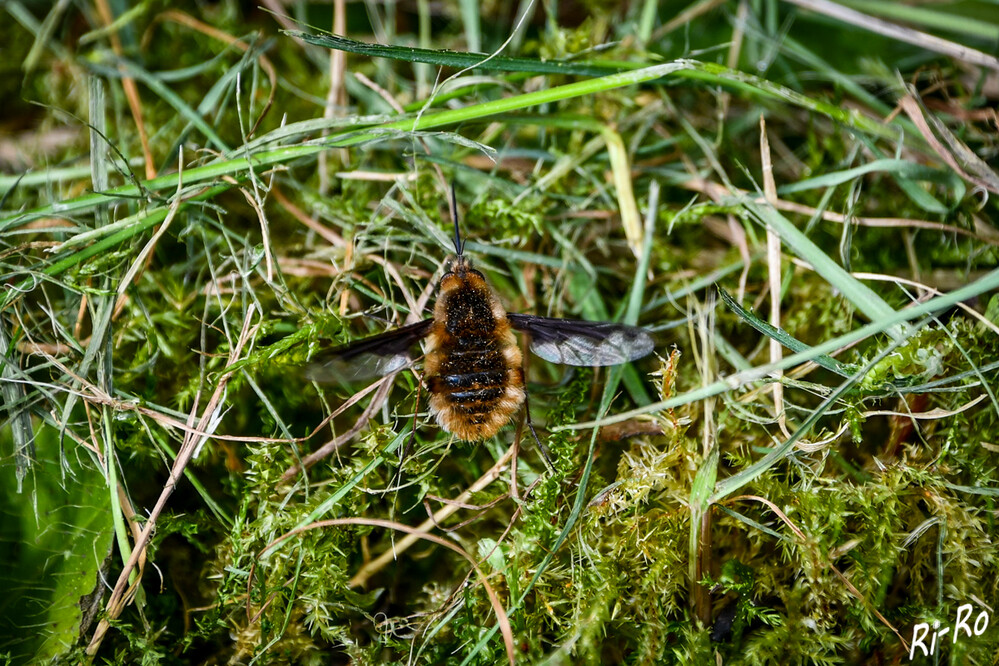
(474, 367)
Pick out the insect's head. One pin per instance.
(459, 266)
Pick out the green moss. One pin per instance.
(883, 513)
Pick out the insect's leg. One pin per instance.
(530, 425)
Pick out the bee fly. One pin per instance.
(473, 368)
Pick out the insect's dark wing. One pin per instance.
(370, 357)
(575, 342)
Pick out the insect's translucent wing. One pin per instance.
(575, 342)
(330, 369)
(375, 356)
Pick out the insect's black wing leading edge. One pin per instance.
(576, 342)
(374, 356)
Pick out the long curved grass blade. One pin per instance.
(985, 284)
(782, 336)
(461, 60)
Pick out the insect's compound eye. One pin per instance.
(450, 266)
(448, 281)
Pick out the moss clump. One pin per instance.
(199, 204)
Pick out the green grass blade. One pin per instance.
(860, 295)
(983, 285)
(460, 60)
(747, 475)
(163, 91)
(782, 336)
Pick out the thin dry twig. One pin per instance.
(131, 90)
(336, 96)
(686, 16)
(140, 259)
(774, 276)
(120, 596)
(719, 192)
(809, 544)
(180, 17)
(901, 33)
(383, 386)
(331, 237)
(253, 198)
(931, 415)
(360, 579)
(479, 510)
(501, 618)
(381, 92)
(930, 291)
(985, 178)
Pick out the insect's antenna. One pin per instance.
(459, 247)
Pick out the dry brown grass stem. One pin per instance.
(131, 90)
(360, 579)
(774, 276)
(719, 192)
(416, 534)
(818, 558)
(265, 64)
(123, 593)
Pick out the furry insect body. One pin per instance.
(473, 368)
